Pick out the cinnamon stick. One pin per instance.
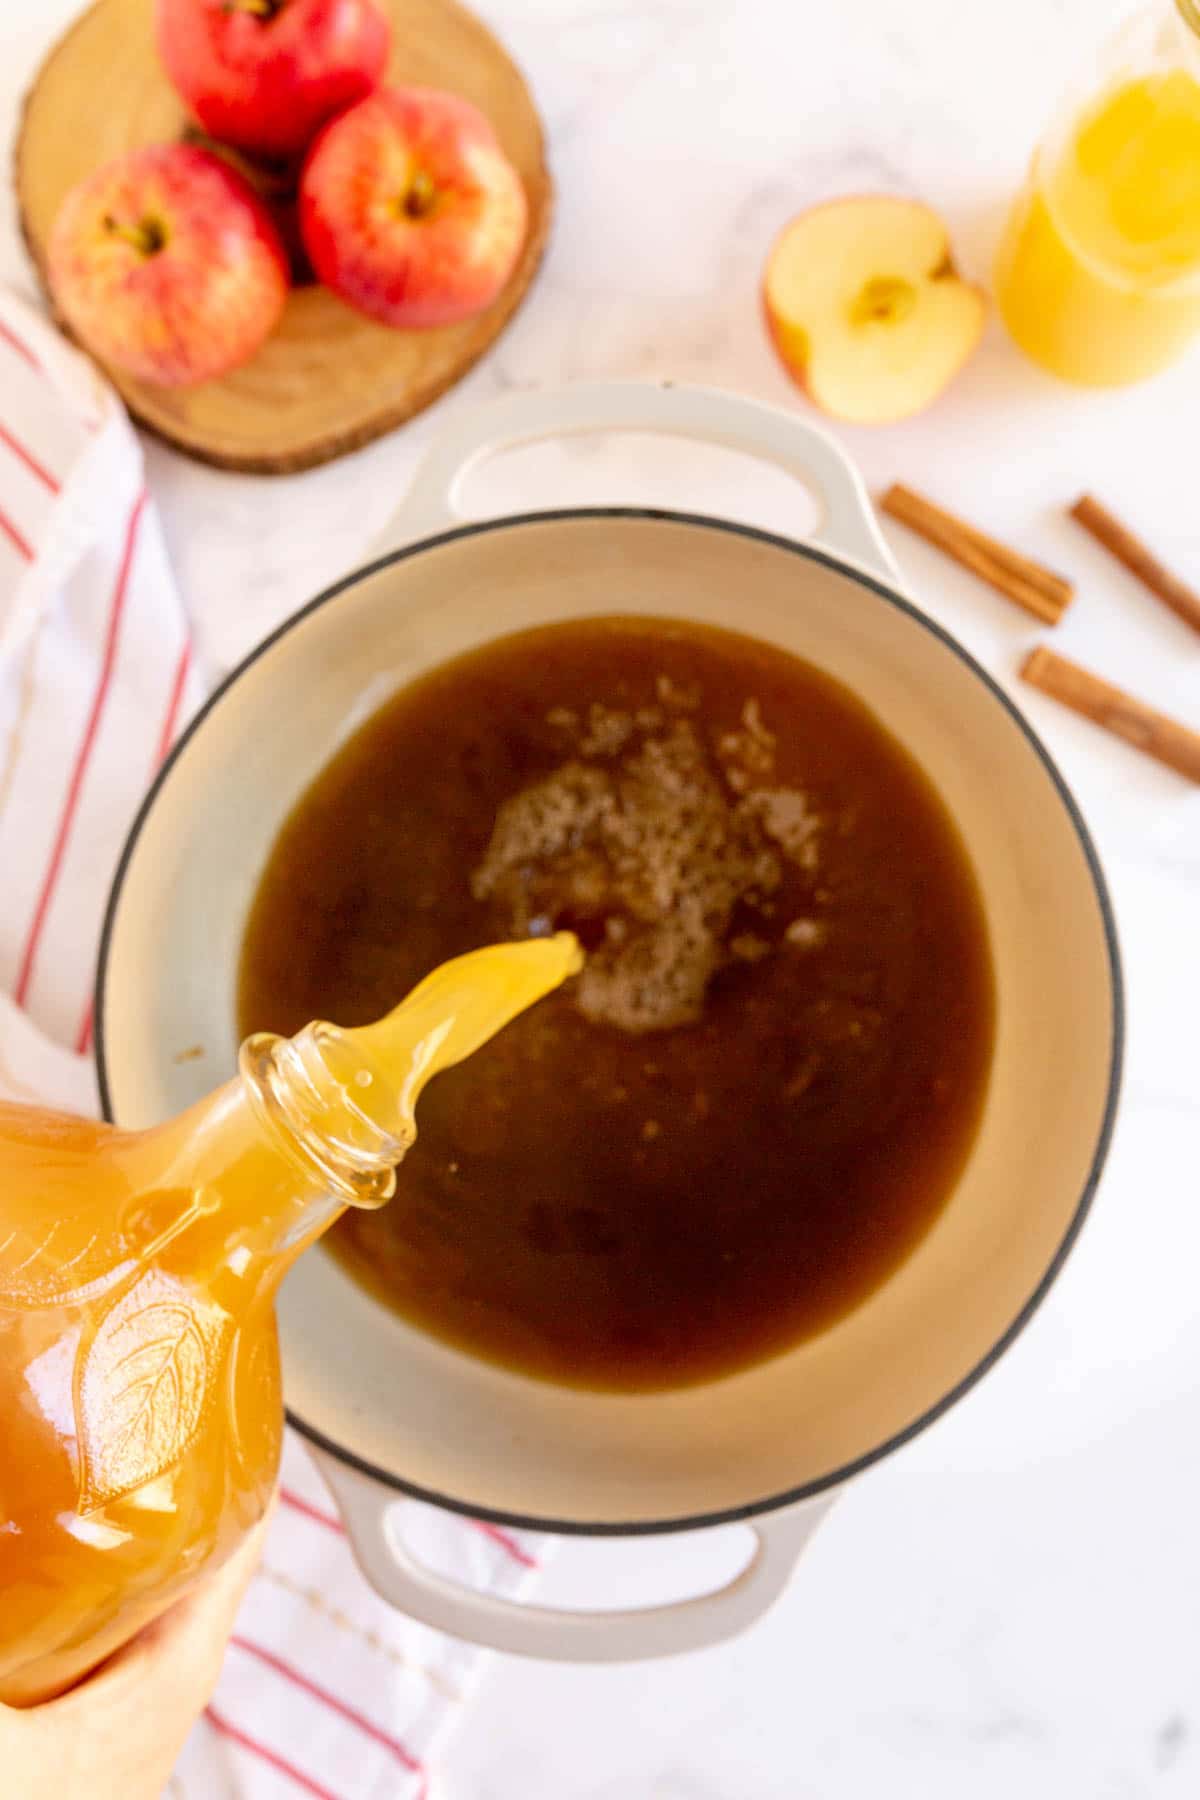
(1017, 577)
(1121, 713)
(1138, 558)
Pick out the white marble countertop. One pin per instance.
(1012, 1604)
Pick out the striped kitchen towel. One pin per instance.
(326, 1690)
(96, 673)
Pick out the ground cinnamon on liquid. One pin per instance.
(662, 852)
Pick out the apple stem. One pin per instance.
(261, 9)
(418, 198)
(147, 237)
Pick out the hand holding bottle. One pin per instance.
(117, 1735)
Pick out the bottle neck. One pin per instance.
(232, 1191)
(343, 1101)
(330, 1110)
(319, 1121)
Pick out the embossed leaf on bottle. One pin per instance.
(58, 1261)
(148, 1377)
(59, 1250)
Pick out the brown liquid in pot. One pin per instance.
(755, 1101)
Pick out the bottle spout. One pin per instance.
(345, 1098)
(456, 1009)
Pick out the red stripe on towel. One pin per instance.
(83, 1039)
(349, 1713)
(508, 1544)
(9, 336)
(498, 1536)
(167, 735)
(30, 460)
(15, 538)
(311, 1512)
(266, 1754)
(82, 758)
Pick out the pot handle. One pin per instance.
(848, 526)
(368, 1509)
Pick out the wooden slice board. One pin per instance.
(328, 379)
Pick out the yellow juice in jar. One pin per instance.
(1098, 276)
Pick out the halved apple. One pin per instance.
(866, 310)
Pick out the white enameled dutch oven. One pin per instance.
(390, 1411)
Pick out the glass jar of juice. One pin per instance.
(1098, 276)
(140, 1407)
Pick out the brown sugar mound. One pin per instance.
(648, 855)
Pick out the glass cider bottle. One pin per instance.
(140, 1406)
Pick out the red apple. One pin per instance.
(166, 265)
(410, 210)
(265, 74)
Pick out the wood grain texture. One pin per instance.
(328, 379)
